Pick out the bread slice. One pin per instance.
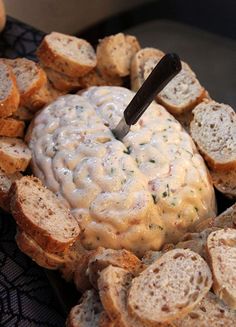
(67, 54)
(225, 182)
(225, 219)
(213, 129)
(6, 181)
(38, 211)
(169, 288)
(23, 114)
(117, 258)
(105, 321)
(221, 249)
(87, 313)
(138, 64)
(150, 257)
(14, 155)
(113, 284)
(95, 78)
(11, 127)
(45, 95)
(31, 248)
(182, 93)
(9, 94)
(114, 54)
(62, 81)
(210, 312)
(30, 77)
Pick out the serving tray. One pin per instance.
(32, 296)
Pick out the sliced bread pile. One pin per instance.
(213, 129)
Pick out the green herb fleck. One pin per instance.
(164, 194)
(155, 199)
(127, 151)
(196, 208)
(152, 160)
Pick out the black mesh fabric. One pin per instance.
(26, 296)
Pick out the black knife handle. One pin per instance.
(165, 70)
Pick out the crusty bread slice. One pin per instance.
(213, 129)
(30, 77)
(113, 284)
(95, 78)
(117, 258)
(45, 95)
(169, 288)
(9, 94)
(62, 81)
(87, 313)
(225, 219)
(182, 93)
(114, 54)
(210, 312)
(38, 211)
(67, 54)
(14, 155)
(31, 248)
(225, 182)
(6, 181)
(138, 64)
(11, 127)
(23, 114)
(221, 249)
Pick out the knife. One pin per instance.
(167, 68)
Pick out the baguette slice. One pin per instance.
(30, 77)
(113, 284)
(221, 248)
(45, 95)
(138, 64)
(95, 78)
(23, 114)
(114, 54)
(6, 181)
(87, 313)
(171, 287)
(225, 182)
(44, 259)
(225, 219)
(38, 211)
(210, 312)
(118, 258)
(213, 129)
(11, 127)
(14, 155)
(67, 54)
(9, 94)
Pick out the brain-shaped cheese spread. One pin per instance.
(136, 194)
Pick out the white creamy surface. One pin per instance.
(134, 195)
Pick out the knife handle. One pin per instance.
(167, 68)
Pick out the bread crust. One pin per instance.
(11, 127)
(56, 59)
(6, 181)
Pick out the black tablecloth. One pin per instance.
(26, 296)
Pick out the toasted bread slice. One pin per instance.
(114, 54)
(95, 78)
(210, 312)
(38, 211)
(138, 63)
(221, 249)
(14, 155)
(45, 95)
(87, 313)
(6, 181)
(23, 114)
(67, 54)
(225, 182)
(36, 253)
(225, 219)
(11, 127)
(182, 93)
(171, 287)
(30, 77)
(213, 129)
(9, 94)
(117, 258)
